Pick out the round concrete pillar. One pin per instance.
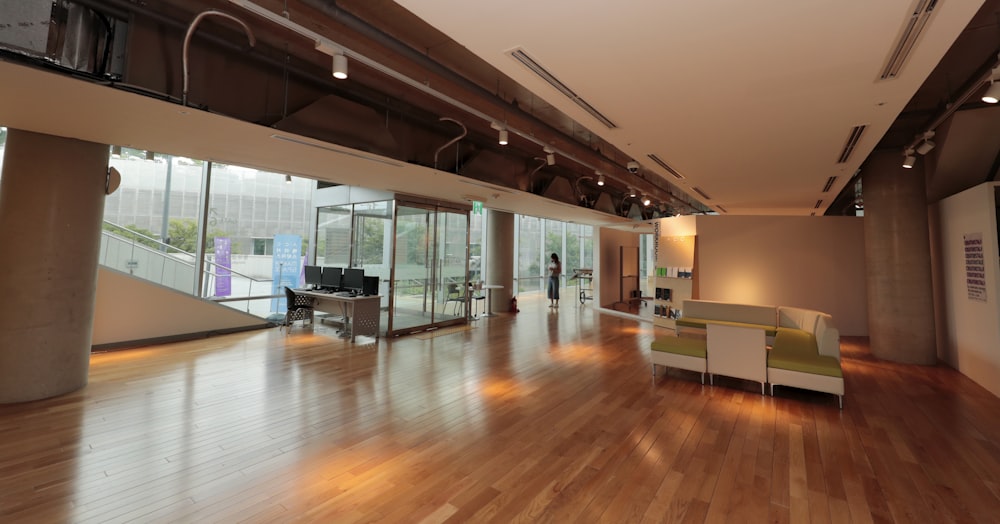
(500, 249)
(897, 246)
(51, 208)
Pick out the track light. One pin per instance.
(288, 179)
(600, 179)
(340, 66)
(992, 94)
(631, 192)
(550, 157)
(150, 155)
(116, 151)
(925, 147)
(909, 159)
(645, 200)
(503, 137)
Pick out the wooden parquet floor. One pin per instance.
(544, 416)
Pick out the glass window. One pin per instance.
(333, 236)
(529, 254)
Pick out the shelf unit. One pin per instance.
(675, 279)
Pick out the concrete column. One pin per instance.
(897, 256)
(51, 208)
(500, 248)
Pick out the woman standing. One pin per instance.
(555, 269)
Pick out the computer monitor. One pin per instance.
(314, 276)
(331, 277)
(370, 286)
(354, 279)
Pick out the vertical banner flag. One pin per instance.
(223, 274)
(285, 269)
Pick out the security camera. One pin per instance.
(633, 167)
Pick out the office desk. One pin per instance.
(361, 314)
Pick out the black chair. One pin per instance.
(298, 307)
(477, 296)
(456, 295)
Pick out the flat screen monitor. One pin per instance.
(314, 276)
(370, 286)
(354, 279)
(331, 277)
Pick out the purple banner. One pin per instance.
(223, 273)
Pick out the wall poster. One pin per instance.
(975, 266)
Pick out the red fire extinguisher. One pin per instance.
(513, 305)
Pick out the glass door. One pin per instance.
(430, 264)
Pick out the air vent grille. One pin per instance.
(527, 61)
(819, 203)
(829, 184)
(702, 193)
(659, 161)
(913, 26)
(852, 141)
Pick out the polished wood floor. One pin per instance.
(544, 416)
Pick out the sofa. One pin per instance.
(806, 353)
(804, 346)
(698, 314)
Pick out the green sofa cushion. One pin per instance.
(703, 322)
(795, 350)
(691, 347)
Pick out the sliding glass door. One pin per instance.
(431, 264)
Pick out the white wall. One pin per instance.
(810, 262)
(607, 266)
(969, 329)
(129, 309)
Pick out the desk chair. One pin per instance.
(298, 307)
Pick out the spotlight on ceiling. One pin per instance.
(645, 200)
(550, 156)
(116, 151)
(340, 66)
(631, 192)
(288, 179)
(600, 178)
(150, 155)
(503, 137)
(925, 147)
(909, 159)
(992, 94)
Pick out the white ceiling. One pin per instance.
(751, 101)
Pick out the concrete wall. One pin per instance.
(968, 328)
(129, 309)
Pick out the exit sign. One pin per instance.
(477, 207)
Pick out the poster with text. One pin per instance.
(223, 274)
(285, 270)
(975, 266)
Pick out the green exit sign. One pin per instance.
(477, 207)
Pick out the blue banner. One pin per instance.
(285, 267)
(223, 273)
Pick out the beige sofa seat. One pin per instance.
(736, 351)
